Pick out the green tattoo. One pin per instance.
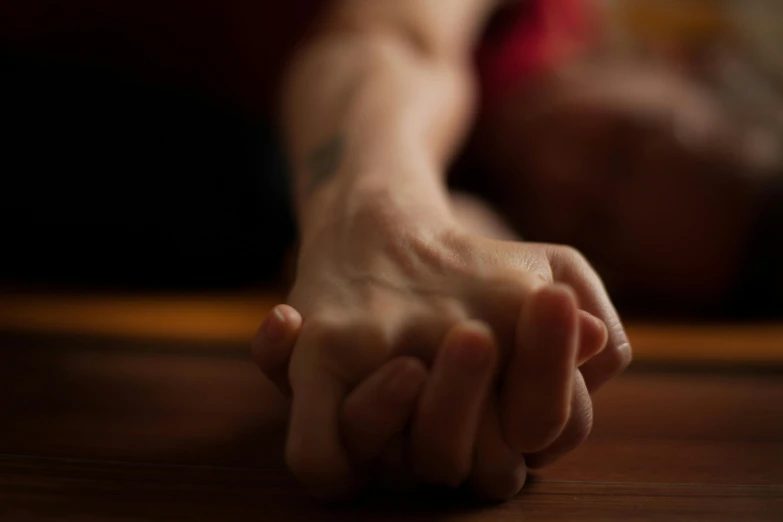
(324, 162)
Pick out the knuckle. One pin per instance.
(566, 257)
(574, 255)
(350, 348)
(527, 281)
(322, 330)
(443, 313)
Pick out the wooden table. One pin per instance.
(132, 420)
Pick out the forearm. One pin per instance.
(371, 121)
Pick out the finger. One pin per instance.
(273, 343)
(447, 418)
(380, 407)
(577, 429)
(536, 397)
(314, 450)
(616, 356)
(499, 472)
(593, 337)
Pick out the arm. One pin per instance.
(375, 105)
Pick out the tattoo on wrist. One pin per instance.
(324, 162)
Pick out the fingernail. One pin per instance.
(275, 327)
(403, 383)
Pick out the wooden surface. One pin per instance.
(103, 426)
(234, 319)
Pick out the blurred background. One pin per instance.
(134, 137)
(733, 50)
(734, 46)
(146, 230)
(655, 147)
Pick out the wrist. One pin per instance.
(375, 206)
(378, 237)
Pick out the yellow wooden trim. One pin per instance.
(232, 318)
(213, 318)
(683, 21)
(734, 343)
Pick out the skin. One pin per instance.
(394, 283)
(393, 280)
(424, 342)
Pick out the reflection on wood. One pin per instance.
(234, 319)
(125, 429)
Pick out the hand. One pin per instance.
(403, 296)
(375, 413)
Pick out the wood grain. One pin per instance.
(113, 428)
